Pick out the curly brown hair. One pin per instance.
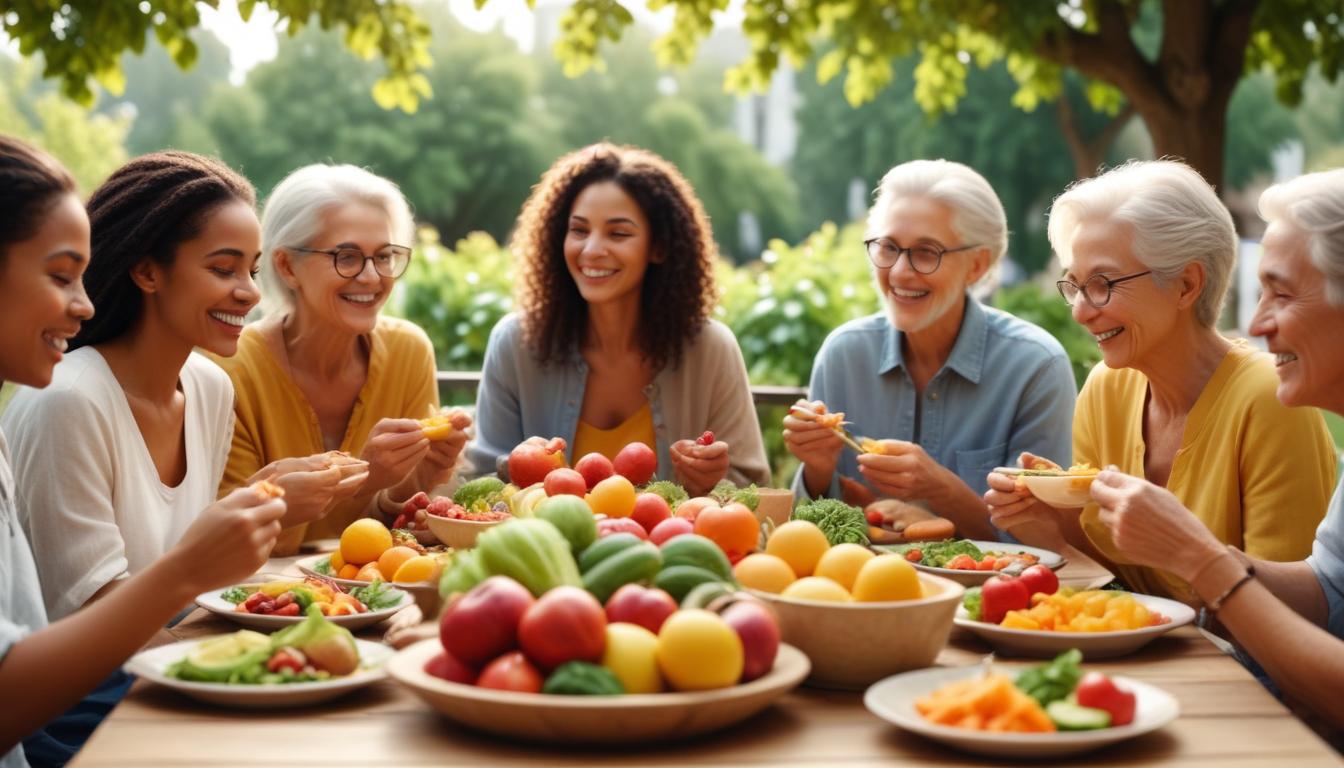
(678, 293)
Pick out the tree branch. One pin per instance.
(1109, 56)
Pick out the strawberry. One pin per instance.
(706, 439)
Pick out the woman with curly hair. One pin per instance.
(612, 342)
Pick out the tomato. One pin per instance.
(530, 463)
(733, 527)
(914, 555)
(1001, 594)
(962, 563)
(636, 462)
(874, 517)
(511, 672)
(987, 564)
(565, 624)
(1099, 691)
(650, 510)
(286, 658)
(1039, 578)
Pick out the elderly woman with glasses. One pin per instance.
(1147, 249)
(324, 377)
(957, 387)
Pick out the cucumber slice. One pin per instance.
(1068, 716)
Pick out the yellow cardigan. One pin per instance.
(1257, 473)
(275, 420)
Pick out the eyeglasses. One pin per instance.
(1096, 289)
(924, 258)
(389, 261)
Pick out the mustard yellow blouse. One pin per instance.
(275, 420)
(1257, 473)
(608, 442)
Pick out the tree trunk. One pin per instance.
(1089, 154)
(1196, 136)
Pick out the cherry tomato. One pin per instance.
(1039, 578)
(1099, 691)
(874, 517)
(961, 563)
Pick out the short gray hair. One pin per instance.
(294, 211)
(1174, 216)
(977, 213)
(1314, 203)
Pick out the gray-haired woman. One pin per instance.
(324, 370)
(1147, 249)
(960, 387)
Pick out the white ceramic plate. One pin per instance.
(1094, 645)
(308, 566)
(1052, 560)
(151, 664)
(630, 719)
(215, 603)
(893, 700)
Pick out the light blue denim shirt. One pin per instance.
(1007, 387)
(519, 398)
(1327, 560)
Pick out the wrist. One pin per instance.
(1203, 557)
(166, 574)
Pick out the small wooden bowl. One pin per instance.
(852, 645)
(458, 534)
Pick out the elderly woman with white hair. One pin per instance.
(1282, 614)
(324, 370)
(1147, 249)
(957, 388)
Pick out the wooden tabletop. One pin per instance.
(1226, 719)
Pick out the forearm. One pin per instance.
(817, 481)
(1296, 586)
(58, 665)
(966, 509)
(1071, 525)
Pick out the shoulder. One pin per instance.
(1254, 385)
(508, 331)
(714, 338)
(1108, 385)
(1022, 337)
(80, 390)
(401, 335)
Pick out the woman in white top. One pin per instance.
(44, 248)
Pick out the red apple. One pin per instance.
(669, 528)
(530, 462)
(595, 468)
(566, 624)
(483, 623)
(1040, 578)
(648, 607)
(565, 480)
(447, 667)
(650, 510)
(611, 525)
(636, 462)
(759, 632)
(511, 672)
(1001, 594)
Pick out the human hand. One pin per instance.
(313, 484)
(230, 540)
(394, 449)
(903, 470)
(1012, 507)
(699, 467)
(437, 465)
(812, 442)
(1151, 527)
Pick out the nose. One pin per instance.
(80, 305)
(904, 265)
(1262, 322)
(1082, 309)
(248, 292)
(368, 274)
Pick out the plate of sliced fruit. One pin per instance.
(282, 601)
(1050, 710)
(305, 663)
(971, 563)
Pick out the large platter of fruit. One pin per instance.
(1050, 710)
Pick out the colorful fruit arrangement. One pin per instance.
(370, 552)
(291, 597)
(1045, 698)
(800, 562)
(963, 555)
(1034, 601)
(314, 649)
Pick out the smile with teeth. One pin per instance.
(360, 298)
(1283, 358)
(595, 272)
(1108, 334)
(58, 343)
(226, 317)
(908, 294)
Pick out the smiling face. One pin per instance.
(916, 302)
(1298, 323)
(210, 287)
(349, 304)
(1140, 315)
(41, 280)
(607, 245)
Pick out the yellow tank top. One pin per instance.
(608, 442)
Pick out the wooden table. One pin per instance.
(1226, 719)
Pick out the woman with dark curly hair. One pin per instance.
(612, 341)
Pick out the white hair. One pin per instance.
(1314, 204)
(294, 213)
(977, 213)
(1174, 217)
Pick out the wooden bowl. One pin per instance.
(632, 719)
(852, 645)
(774, 504)
(458, 534)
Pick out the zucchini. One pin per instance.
(605, 547)
(679, 580)
(636, 563)
(696, 550)
(1074, 717)
(703, 594)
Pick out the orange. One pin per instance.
(348, 571)
(364, 540)
(800, 544)
(887, 577)
(369, 572)
(337, 562)
(842, 562)
(767, 573)
(733, 527)
(392, 559)
(418, 568)
(817, 588)
(698, 651)
(613, 497)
